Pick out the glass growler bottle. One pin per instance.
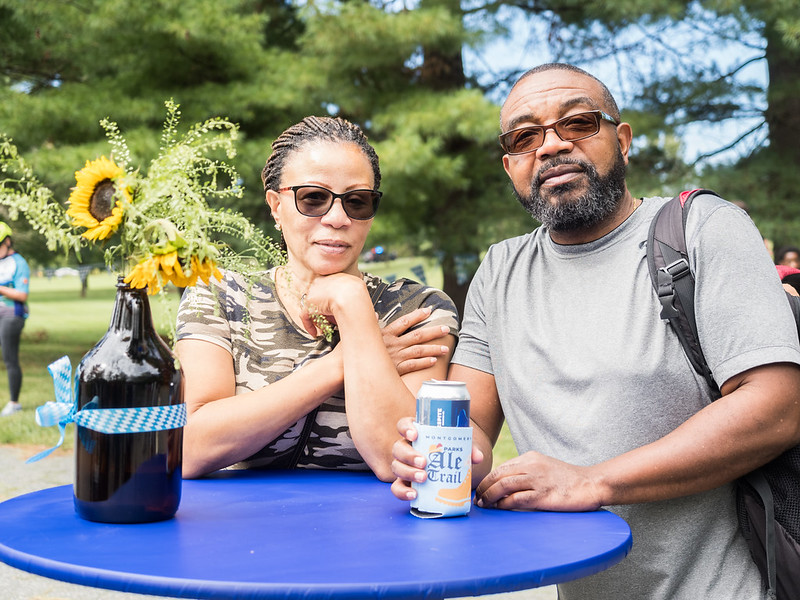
(128, 477)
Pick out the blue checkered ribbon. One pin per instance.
(64, 411)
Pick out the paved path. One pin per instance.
(17, 478)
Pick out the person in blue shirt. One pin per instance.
(14, 279)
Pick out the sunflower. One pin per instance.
(151, 271)
(94, 202)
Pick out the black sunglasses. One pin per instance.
(316, 201)
(570, 129)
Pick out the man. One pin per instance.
(14, 279)
(561, 336)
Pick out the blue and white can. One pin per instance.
(443, 404)
(444, 438)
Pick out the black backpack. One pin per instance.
(768, 499)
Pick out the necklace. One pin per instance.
(292, 300)
(283, 281)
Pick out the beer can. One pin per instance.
(444, 438)
(443, 404)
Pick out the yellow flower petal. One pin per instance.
(205, 270)
(171, 267)
(168, 262)
(145, 274)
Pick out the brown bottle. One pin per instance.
(128, 477)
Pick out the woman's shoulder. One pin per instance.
(227, 306)
(401, 296)
(232, 289)
(403, 289)
(236, 283)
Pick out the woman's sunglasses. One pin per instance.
(316, 201)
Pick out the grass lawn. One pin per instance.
(61, 322)
(405, 267)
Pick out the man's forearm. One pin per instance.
(749, 426)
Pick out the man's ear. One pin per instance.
(624, 136)
(506, 158)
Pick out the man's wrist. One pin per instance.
(601, 488)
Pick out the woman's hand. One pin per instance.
(410, 350)
(409, 465)
(327, 296)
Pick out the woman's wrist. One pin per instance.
(351, 297)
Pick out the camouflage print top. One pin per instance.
(251, 323)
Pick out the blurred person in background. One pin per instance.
(14, 280)
(788, 256)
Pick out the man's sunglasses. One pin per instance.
(570, 129)
(316, 201)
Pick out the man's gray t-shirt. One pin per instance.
(586, 370)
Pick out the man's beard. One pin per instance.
(569, 214)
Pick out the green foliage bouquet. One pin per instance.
(155, 226)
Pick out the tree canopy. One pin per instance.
(399, 70)
(726, 70)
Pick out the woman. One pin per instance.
(263, 388)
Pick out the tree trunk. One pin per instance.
(783, 96)
(84, 275)
(442, 71)
(780, 161)
(455, 284)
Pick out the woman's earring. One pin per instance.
(277, 226)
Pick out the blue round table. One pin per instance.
(309, 535)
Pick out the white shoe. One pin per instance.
(10, 409)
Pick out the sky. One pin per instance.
(526, 47)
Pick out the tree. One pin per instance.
(671, 70)
(66, 66)
(446, 193)
(399, 72)
(680, 64)
(266, 65)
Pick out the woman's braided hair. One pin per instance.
(314, 129)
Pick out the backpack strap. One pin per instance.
(668, 264)
(760, 484)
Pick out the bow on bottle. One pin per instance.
(64, 411)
